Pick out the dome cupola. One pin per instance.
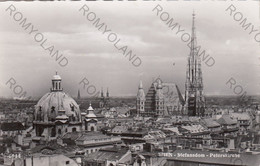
(57, 104)
(56, 83)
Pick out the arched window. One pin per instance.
(53, 132)
(39, 114)
(59, 131)
(73, 118)
(52, 109)
(74, 129)
(52, 116)
(92, 128)
(72, 107)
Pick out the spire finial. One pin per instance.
(107, 92)
(102, 95)
(141, 85)
(78, 94)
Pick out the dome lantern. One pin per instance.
(56, 83)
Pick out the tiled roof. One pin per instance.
(226, 120)
(39, 148)
(240, 116)
(92, 136)
(210, 122)
(119, 129)
(72, 135)
(110, 154)
(173, 129)
(194, 128)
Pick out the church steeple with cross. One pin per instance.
(194, 98)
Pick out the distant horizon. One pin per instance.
(88, 97)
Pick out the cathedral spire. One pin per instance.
(107, 93)
(159, 86)
(140, 100)
(194, 98)
(102, 93)
(141, 85)
(78, 95)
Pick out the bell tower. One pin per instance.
(140, 100)
(159, 100)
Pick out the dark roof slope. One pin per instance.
(114, 153)
(12, 126)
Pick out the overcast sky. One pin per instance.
(91, 55)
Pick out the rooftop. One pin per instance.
(110, 154)
(11, 126)
(226, 120)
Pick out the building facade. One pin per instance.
(162, 99)
(56, 113)
(104, 101)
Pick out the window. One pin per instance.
(59, 131)
(72, 107)
(92, 128)
(67, 162)
(52, 109)
(53, 132)
(39, 114)
(74, 129)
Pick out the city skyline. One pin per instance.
(130, 83)
(91, 56)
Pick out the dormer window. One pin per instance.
(52, 116)
(72, 107)
(52, 109)
(39, 117)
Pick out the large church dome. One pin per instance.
(56, 104)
